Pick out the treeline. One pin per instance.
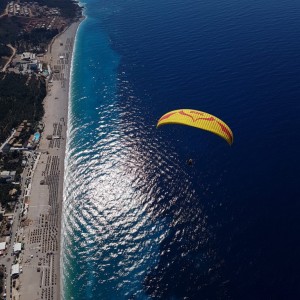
(11, 33)
(3, 4)
(69, 8)
(12, 161)
(36, 41)
(39, 35)
(10, 29)
(9, 192)
(4, 50)
(21, 98)
(6, 198)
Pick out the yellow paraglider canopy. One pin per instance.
(198, 119)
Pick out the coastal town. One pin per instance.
(32, 149)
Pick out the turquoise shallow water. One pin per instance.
(99, 207)
(139, 223)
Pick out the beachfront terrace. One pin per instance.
(23, 138)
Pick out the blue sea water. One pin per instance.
(138, 221)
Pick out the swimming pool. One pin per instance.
(36, 137)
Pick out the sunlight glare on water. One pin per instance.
(139, 222)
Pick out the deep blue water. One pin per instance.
(139, 223)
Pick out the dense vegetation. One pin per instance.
(3, 4)
(69, 8)
(4, 50)
(39, 35)
(11, 33)
(10, 29)
(35, 41)
(8, 201)
(21, 98)
(12, 161)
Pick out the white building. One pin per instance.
(27, 56)
(15, 270)
(8, 175)
(17, 248)
(2, 246)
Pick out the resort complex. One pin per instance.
(35, 74)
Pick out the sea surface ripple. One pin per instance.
(139, 222)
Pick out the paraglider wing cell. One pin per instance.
(198, 119)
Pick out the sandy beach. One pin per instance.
(40, 231)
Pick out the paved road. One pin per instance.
(11, 57)
(13, 132)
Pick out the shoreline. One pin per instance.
(41, 231)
